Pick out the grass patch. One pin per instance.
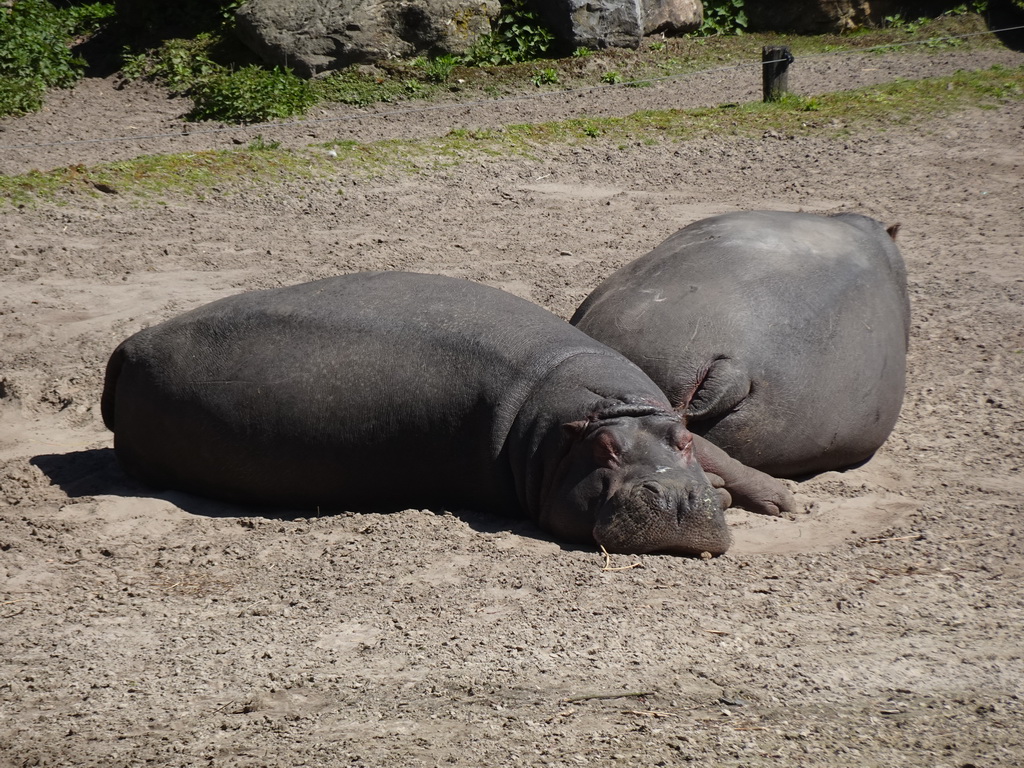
(199, 171)
(193, 173)
(835, 114)
(874, 108)
(361, 88)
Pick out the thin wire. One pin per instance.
(486, 102)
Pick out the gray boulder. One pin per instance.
(594, 23)
(616, 23)
(313, 36)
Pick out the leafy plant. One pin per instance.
(518, 35)
(439, 68)
(899, 22)
(547, 76)
(20, 96)
(35, 53)
(179, 63)
(88, 18)
(611, 78)
(975, 6)
(259, 144)
(251, 95)
(724, 17)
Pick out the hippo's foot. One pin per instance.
(749, 488)
(718, 483)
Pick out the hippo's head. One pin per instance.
(629, 481)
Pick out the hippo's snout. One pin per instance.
(679, 519)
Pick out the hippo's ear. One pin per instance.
(574, 429)
(605, 445)
(893, 230)
(682, 439)
(607, 449)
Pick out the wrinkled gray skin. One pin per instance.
(390, 390)
(781, 337)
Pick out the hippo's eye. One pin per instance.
(653, 488)
(600, 499)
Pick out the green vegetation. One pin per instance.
(178, 63)
(546, 76)
(518, 35)
(352, 86)
(250, 95)
(35, 53)
(975, 6)
(192, 173)
(198, 68)
(904, 25)
(440, 68)
(878, 108)
(723, 17)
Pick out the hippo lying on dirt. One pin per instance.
(389, 390)
(782, 337)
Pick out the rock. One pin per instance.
(672, 16)
(313, 36)
(594, 23)
(616, 23)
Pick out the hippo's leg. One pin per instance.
(750, 489)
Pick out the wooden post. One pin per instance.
(775, 61)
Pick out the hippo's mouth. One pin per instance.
(656, 518)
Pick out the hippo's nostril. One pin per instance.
(657, 498)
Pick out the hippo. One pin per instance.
(781, 337)
(390, 390)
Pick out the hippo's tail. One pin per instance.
(110, 386)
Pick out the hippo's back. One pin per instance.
(800, 321)
(369, 390)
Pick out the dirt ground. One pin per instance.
(879, 627)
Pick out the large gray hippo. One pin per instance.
(389, 390)
(782, 337)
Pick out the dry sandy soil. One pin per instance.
(881, 626)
